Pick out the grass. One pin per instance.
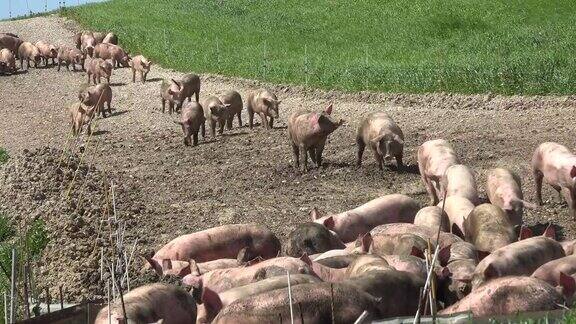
(3, 156)
(463, 46)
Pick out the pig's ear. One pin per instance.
(328, 110)
(170, 92)
(568, 285)
(550, 232)
(265, 101)
(444, 255)
(193, 281)
(417, 252)
(315, 214)
(366, 241)
(178, 122)
(306, 258)
(244, 255)
(445, 273)
(329, 222)
(81, 110)
(573, 172)
(154, 264)
(149, 62)
(194, 270)
(490, 272)
(166, 264)
(456, 230)
(525, 233)
(482, 254)
(398, 139)
(211, 301)
(377, 139)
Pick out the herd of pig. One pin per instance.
(370, 258)
(373, 258)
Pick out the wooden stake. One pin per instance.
(290, 298)
(26, 302)
(5, 307)
(61, 298)
(108, 298)
(13, 300)
(48, 299)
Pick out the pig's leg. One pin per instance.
(538, 177)
(229, 122)
(399, 161)
(312, 153)
(195, 138)
(221, 123)
(109, 108)
(304, 150)
(133, 76)
(58, 66)
(360, 146)
(213, 128)
(319, 151)
(264, 121)
(250, 117)
(560, 192)
(296, 152)
(378, 159)
(271, 122)
(88, 74)
(142, 77)
(239, 119)
(163, 106)
(203, 129)
(170, 107)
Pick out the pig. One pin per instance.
(97, 96)
(568, 246)
(488, 228)
(264, 103)
(398, 291)
(336, 261)
(458, 251)
(47, 51)
(80, 115)
(220, 280)
(10, 42)
(312, 304)
(67, 56)
(97, 68)
(518, 258)
(215, 112)
(212, 302)
(432, 217)
(394, 208)
(550, 271)
(88, 44)
(508, 295)
(425, 233)
(184, 268)
(460, 182)
(366, 263)
(455, 282)
(457, 208)
(7, 57)
(154, 303)
(27, 51)
(115, 53)
(308, 133)
(505, 191)
(142, 65)
(171, 92)
(434, 158)
(190, 84)
(3, 67)
(98, 37)
(110, 38)
(408, 263)
(192, 120)
(247, 241)
(400, 244)
(311, 238)
(556, 165)
(383, 136)
(234, 100)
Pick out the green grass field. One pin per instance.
(462, 46)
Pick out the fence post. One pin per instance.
(13, 289)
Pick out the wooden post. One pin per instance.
(5, 307)
(26, 302)
(13, 299)
(61, 298)
(48, 299)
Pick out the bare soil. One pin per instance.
(247, 175)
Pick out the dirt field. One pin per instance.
(247, 176)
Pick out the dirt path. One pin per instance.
(246, 176)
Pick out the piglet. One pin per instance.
(318, 303)
(504, 190)
(432, 217)
(80, 115)
(384, 137)
(115, 53)
(87, 44)
(457, 208)
(216, 113)
(246, 241)
(141, 65)
(234, 100)
(518, 258)
(434, 158)
(192, 120)
(550, 271)
(97, 68)
(489, 229)
(28, 51)
(508, 295)
(171, 92)
(47, 51)
(7, 57)
(460, 182)
(308, 133)
(556, 165)
(10, 42)
(97, 96)
(264, 103)
(394, 208)
(110, 38)
(154, 303)
(190, 84)
(67, 56)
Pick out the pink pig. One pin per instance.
(434, 158)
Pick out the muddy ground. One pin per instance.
(247, 175)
